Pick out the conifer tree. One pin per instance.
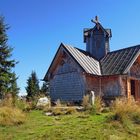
(14, 89)
(32, 88)
(44, 88)
(6, 64)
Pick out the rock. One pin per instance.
(43, 102)
(49, 113)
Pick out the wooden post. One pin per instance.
(120, 85)
(128, 89)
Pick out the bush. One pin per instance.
(11, 116)
(70, 110)
(15, 102)
(97, 108)
(7, 102)
(21, 104)
(57, 111)
(86, 102)
(98, 104)
(126, 111)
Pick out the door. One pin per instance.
(133, 88)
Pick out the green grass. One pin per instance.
(68, 127)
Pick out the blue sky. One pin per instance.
(37, 27)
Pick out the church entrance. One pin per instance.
(135, 89)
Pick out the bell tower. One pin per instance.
(97, 40)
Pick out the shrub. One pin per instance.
(93, 109)
(21, 104)
(15, 102)
(57, 111)
(98, 104)
(126, 111)
(11, 116)
(86, 102)
(70, 110)
(58, 103)
(7, 102)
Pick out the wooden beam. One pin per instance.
(128, 89)
(120, 84)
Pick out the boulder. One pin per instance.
(43, 102)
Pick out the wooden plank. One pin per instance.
(128, 88)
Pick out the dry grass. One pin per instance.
(11, 116)
(126, 111)
(60, 109)
(11, 113)
(7, 102)
(93, 109)
(86, 102)
(98, 104)
(22, 105)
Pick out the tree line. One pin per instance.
(8, 78)
(33, 90)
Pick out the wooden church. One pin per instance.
(73, 72)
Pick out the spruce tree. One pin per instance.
(44, 89)
(6, 64)
(14, 89)
(32, 88)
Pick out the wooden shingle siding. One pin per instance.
(92, 84)
(95, 43)
(67, 87)
(111, 86)
(67, 83)
(107, 86)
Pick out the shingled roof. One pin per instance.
(116, 62)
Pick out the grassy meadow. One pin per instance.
(78, 126)
(22, 121)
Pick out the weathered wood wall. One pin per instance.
(138, 90)
(109, 86)
(93, 84)
(134, 74)
(135, 69)
(67, 82)
(97, 43)
(112, 86)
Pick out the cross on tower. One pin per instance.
(96, 20)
